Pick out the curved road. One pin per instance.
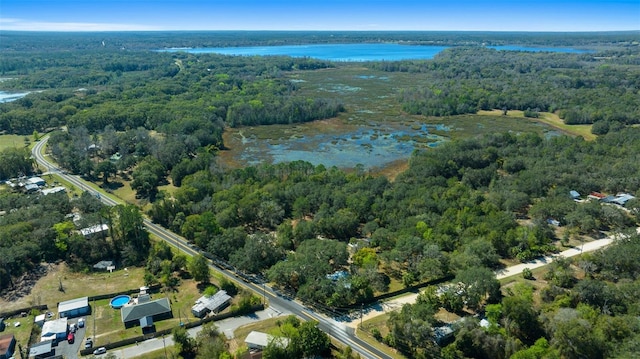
(335, 329)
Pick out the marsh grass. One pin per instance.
(373, 106)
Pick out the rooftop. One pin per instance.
(53, 327)
(94, 229)
(5, 342)
(262, 339)
(73, 304)
(213, 302)
(138, 311)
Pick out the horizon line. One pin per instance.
(337, 30)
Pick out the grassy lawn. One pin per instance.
(269, 326)
(379, 322)
(13, 141)
(21, 332)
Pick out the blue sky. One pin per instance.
(428, 15)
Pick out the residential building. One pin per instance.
(7, 346)
(145, 313)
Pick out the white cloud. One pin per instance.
(10, 24)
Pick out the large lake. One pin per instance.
(353, 52)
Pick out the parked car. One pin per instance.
(100, 350)
(88, 343)
(72, 328)
(71, 338)
(81, 323)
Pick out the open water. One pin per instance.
(354, 52)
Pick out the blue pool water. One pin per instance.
(119, 301)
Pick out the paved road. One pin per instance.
(226, 326)
(334, 328)
(397, 303)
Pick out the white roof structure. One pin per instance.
(72, 304)
(98, 228)
(260, 340)
(212, 303)
(53, 190)
(35, 180)
(39, 318)
(53, 328)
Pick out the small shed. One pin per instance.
(104, 265)
(574, 194)
(54, 330)
(7, 346)
(74, 307)
(39, 320)
(41, 350)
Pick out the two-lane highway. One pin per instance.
(330, 326)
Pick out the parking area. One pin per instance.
(71, 350)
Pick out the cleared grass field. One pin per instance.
(550, 119)
(13, 141)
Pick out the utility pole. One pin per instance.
(264, 295)
(164, 346)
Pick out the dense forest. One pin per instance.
(583, 88)
(588, 309)
(38, 41)
(336, 238)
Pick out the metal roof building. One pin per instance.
(54, 330)
(210, 304)
(41, 350)
(74, 307)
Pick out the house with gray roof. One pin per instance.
(144, 314)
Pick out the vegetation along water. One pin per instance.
(335, 182)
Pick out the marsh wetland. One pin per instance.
(373, 132)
